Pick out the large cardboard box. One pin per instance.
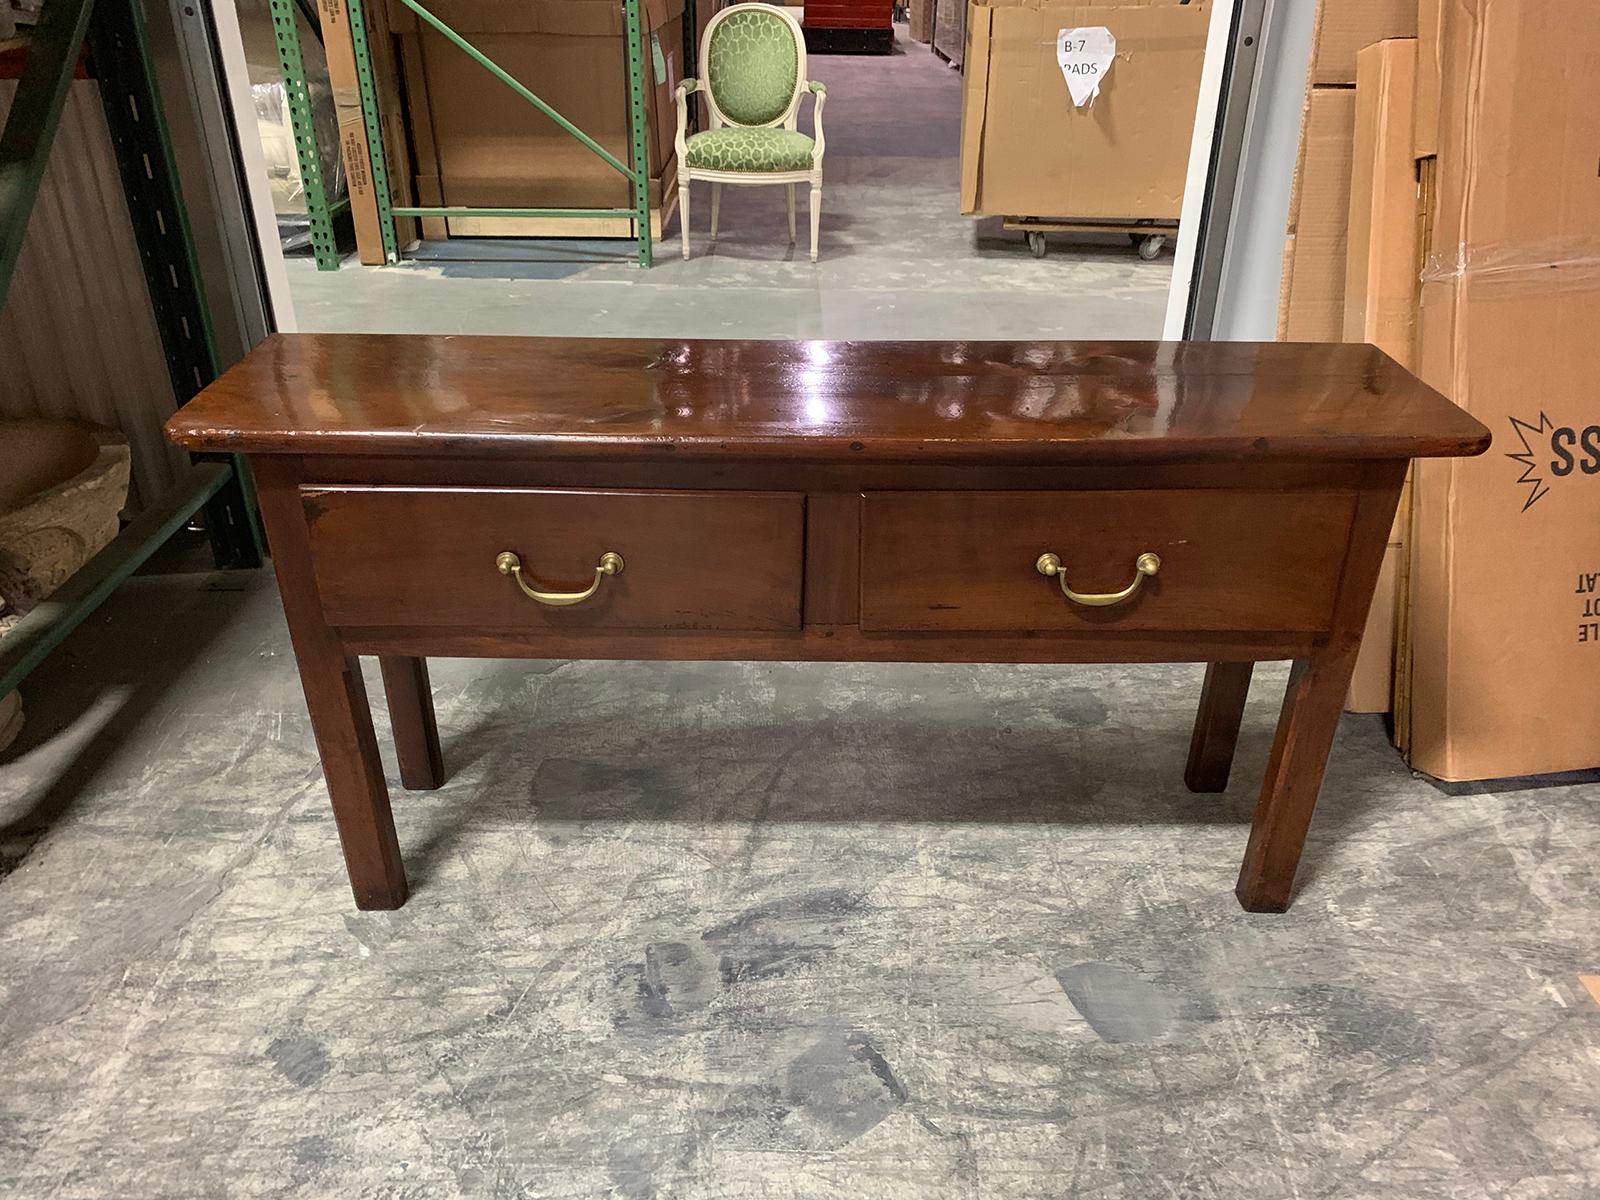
(950, 31)
(480, 144)
(1380, 299)
(1429, 15)
(1312, 307)
(1346, 27)
(1027, 151)
(1505, 664)
(919, 20)
(1382, 258)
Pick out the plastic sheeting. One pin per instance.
(272, 119)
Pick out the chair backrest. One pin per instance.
(753, 60)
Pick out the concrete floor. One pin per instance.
(761, 931)
(898, 260)
(766, 931)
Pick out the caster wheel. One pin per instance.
(1036, 244)
(1150, 247)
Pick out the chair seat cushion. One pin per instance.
(755, 150)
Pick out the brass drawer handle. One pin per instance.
(510, 564)
(1145, 564)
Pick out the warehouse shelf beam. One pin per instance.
(45, 627)
(636, 172)
(319, 213)
(30, 127)
(461, 211)
(119, 53)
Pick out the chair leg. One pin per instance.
(683, 214)
(791, 213)
(716, 207)
(816, 216)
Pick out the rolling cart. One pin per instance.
(1148, 236)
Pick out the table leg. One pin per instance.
(342, 721)
(336, 698)
(416, 730)
(1306, 727)
(1216, 725)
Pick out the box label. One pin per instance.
(1085, 55)
(1551, 453)
(1588, 593)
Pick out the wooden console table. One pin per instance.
(892, 501)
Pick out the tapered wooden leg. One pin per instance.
(416, 731)
(716, 208)
(790, 189)
(342, 722)
(1310, 718)
(336, 698)
(1311, 708)
(1216, 726)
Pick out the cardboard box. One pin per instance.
(1027, 151)
(1505, 664)
(920, 19)
(1383, 261)
(1426, 137)
(1346, 27)
(1382, 265)
(950, 31)
(1312, 303)
(1372, 682)
(353, 149)
(480, 144)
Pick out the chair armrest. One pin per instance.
(680, 145)
(820, 93)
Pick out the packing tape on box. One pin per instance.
(1554, 264)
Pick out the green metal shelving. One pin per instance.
(114, 33)
(286, 34)
(636, 171)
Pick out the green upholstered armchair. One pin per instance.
(753, 73)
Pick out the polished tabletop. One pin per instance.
(1036, 402)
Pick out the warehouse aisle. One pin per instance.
(897, 261)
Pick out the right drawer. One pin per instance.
(1228, 561)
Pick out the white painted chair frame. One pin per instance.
(788, 119)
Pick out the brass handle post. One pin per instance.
(509, 564)
(1145, 565)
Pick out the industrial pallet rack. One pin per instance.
(114, 33)
(324, 249)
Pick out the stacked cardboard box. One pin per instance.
(1472, 253)
(1318, 244)
(920, 18)
(480, 144)
(1320, 263)
(950, 31)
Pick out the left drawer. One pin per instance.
(413, 556)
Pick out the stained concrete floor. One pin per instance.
(761, 931)
(898, 260)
